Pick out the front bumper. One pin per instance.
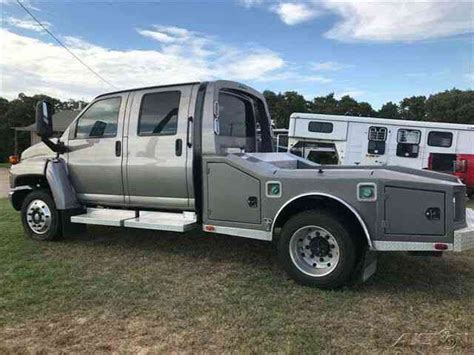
(464, 238)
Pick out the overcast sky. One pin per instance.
(374, 51)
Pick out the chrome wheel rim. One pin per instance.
(38, 216)
(314, 251)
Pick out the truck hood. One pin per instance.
(38, 150)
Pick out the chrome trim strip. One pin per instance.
(359, 218)
(240, 232)
(381, 245)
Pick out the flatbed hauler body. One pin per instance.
(200, 155)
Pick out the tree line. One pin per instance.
(454, 106)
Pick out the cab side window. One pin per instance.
(237, 126)
(236, 117)
(408, 143)
(100, 119)
(159, 114)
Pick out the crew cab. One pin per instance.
(200, 156)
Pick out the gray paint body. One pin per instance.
(150, 175)
(405, 220)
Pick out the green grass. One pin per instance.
(133, 290)
(5, 165)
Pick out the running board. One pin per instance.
(163, 221)
(166, 221)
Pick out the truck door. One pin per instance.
(157, 151)
(95, 151)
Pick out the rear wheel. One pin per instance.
(39, 216)
(316, 249)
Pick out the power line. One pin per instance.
(64, 46)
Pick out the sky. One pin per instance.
(375, 51)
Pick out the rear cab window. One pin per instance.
(236, 123)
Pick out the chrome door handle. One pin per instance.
(188, 132)
(118, 148)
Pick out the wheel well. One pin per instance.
(33, 181)
(317, 202)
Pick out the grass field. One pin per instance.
(131, 290)
(5, 165)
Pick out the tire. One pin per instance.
(39, 216)
(317, 250)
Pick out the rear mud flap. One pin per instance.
(366, 267)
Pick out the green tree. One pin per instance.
(283, 105)
(389, 110)
(455, 106)
(324, 104)
(346, 105)
(20, 112)
(413, 108)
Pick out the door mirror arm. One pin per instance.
(58, 147)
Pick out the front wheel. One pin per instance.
(317, 250)
(40, 217)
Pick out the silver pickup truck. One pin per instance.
(200, 155)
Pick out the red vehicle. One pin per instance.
(461, 165)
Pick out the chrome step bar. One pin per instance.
(104, 217)
(165, 221)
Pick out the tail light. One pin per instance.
(460, 166)
(13, 159)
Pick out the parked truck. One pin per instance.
(200, 156)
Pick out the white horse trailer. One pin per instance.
(349, 140)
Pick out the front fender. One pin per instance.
(63, 192)
(28, 167)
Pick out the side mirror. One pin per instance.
(44, 119)
(44, 127)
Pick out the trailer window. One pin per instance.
(409, 136)
(377, 139)
(408, 143)
(320, 153)
(320, 127)
(100, 119)
(440, 139)
(159, 114)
